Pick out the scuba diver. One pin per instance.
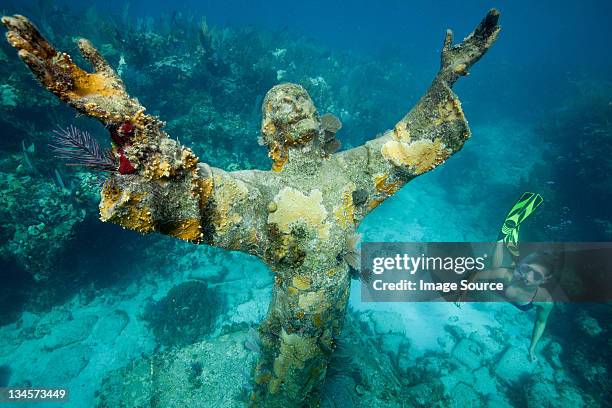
(524, 278)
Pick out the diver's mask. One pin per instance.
(528, 274)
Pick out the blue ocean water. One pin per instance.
(87, 305)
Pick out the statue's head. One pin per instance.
(289, 116)
(290, 121)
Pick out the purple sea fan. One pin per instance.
(79, 148)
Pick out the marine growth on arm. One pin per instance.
(159, 185)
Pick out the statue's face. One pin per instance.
(290, 118)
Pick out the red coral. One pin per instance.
(125, 167)
(121, 135)
(127, 129)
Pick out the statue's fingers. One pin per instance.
(91, 54)
(40, 69)
(38, 54)
(486, 32)
(23, 35)
(36, 64)
(448, 39)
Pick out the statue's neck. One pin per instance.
(304, 161)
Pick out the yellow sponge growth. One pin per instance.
(293, 206)
(125, 209)
(420, 156)
(449, 111)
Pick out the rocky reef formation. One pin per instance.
(36, 244)
(299, 217)
(376, 364)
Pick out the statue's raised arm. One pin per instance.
(159, 185)
(429, 134)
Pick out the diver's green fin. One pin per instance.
(523, 208)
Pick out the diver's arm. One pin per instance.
(542, 313)
(496, 271)
(160, 185)
(429, 134)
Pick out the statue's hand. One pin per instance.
(458, 58)
(100, 94)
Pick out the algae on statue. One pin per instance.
(300, 217)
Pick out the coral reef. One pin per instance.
(185, 314)
(161, 186)
(36, 243)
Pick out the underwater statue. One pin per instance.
(300, 217)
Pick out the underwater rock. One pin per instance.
(431, 366)
(404, 363)
(490, 346)
(543, 393)
(513, 365)
(28, 321)
(468, 353)
(387, 322)
(446, 343)
(393, 343)
(456, 331)
(170, 379)
(72, 331)
(64, 365)
(37, 230)
(210, 273)
(47, 321)
(374, 375)
(553, 353)
(589, 325)
(484, 382)
(249, 312)
(464, 396)
(422, 395)
(109, 327)
(460, 374)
